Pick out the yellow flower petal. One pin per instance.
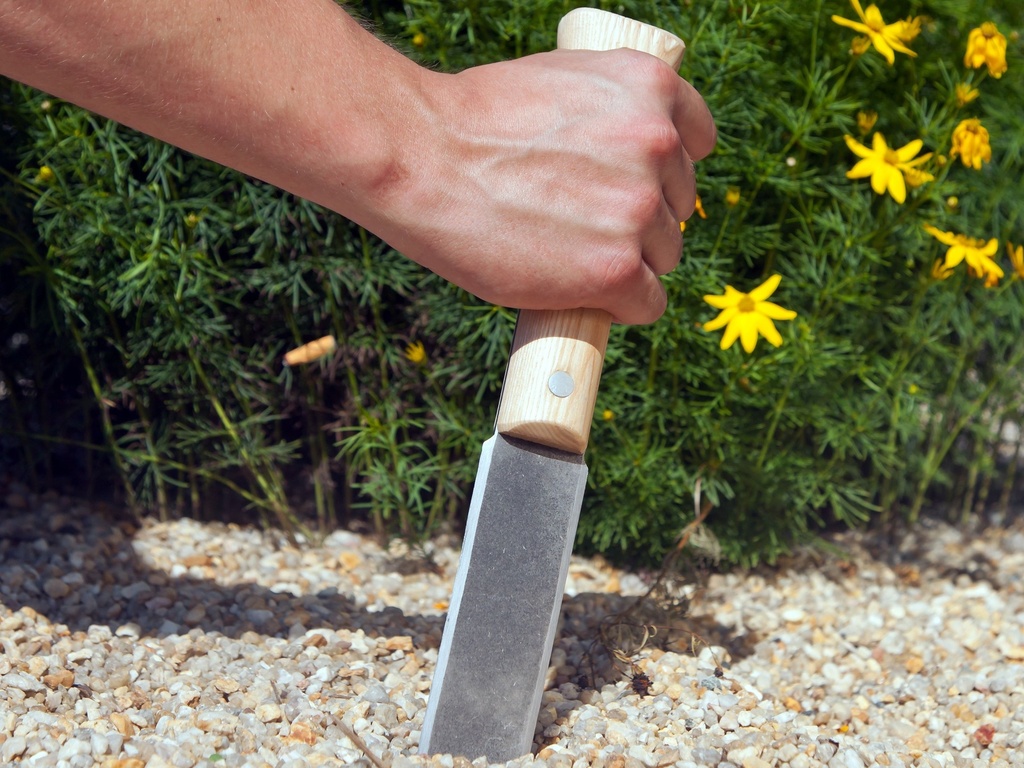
(767, 328)
(732, 332)
(765, 289)
(897, 186)
(883, 47)
(857, 148)
(729, 299)
(774, 311)
(1016, 255)
(907, 151)
(851, 24)
(873, 17)
(862, 169)
(724, 317)
(880, 177)
(955, 255)
(748, 331)
(947, 238)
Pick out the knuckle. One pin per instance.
(619, 270)
(652, 70)
(645, 206)
(661, 139)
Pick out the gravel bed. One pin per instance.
(188, 644)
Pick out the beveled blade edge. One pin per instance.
(506, 600)
(458, 588)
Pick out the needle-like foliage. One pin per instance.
(148, 296)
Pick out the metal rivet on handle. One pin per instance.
(561, 384)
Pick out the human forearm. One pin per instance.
(295, 93)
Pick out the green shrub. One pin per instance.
(158, 292)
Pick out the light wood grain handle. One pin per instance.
(555, 367)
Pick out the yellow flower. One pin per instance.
(860, 46)
(608, 414)
(965, 94)
(866, 120)
(415, 353)
(419, 39)
(885, 37)
(45, 175)
(991, 276)
(940, 271)
(908, 29)
(977, 253)
(698, 208)
(986, 46)
(970, 141)
(915, 177)
(732, 196)
(886, 166)
(1016, 259)
(952, 202)
(747, 315)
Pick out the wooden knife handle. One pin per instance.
(555, 367)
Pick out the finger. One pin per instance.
(679, 185)
(644, 303)
(631, 292)
(694, 122)
(663, 243)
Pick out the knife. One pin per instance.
(486, 692)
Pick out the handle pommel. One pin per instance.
(553, 373)
(591, 29)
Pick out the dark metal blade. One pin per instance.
(501, 624)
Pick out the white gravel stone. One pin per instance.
(14, 747)
(185, 640)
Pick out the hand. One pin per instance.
(555, 181)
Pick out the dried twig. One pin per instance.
(360, 744)
(624, 634)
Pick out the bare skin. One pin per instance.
(549, 182)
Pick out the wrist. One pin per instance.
(406, 160)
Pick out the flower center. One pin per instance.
(746, 304)
(969, 242)
(891, 157)
(988, 29)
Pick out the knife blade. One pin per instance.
(489, 681)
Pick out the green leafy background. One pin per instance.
(147, 297)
